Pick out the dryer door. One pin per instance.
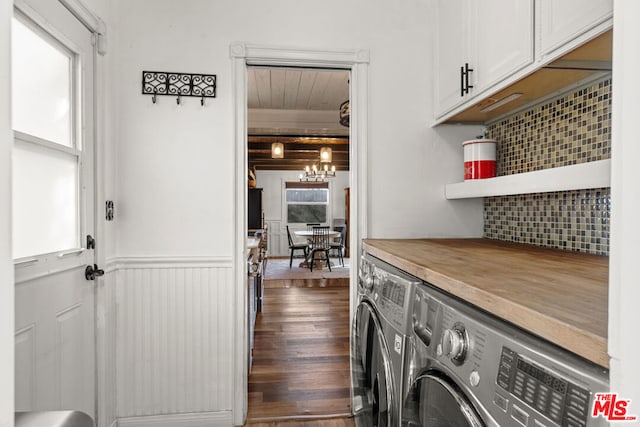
(435, 401)
(371, 374)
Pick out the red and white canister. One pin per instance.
(479, 158)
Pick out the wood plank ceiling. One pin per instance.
(299, 108)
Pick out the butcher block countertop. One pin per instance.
(558, 295)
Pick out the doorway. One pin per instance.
(247, 55)
(294, 129)
(298, 153)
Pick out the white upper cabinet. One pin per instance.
(452, 49)
(503, 37)
(479, 42)
(499, 43)
(563, 22)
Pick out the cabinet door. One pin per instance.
(451, 52)
(503, 39)
(563, 21)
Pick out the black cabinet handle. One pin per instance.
(462, 81)
(467, 70)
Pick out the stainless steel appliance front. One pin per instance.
(378, 341)
(469, 368)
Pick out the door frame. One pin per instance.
(242, 54)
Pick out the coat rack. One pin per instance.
(178, 84)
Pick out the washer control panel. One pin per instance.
(392, 292)
(551, 395)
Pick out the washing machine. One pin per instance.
(468, 368)
(378, 341)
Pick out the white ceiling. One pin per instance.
(297, 89)
(294, 101)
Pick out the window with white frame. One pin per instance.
(47, 153)
(307, 202)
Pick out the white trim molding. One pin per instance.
(125, 262)
(90, 20)
(204, 419)
(298, 57)
(624, 291)
(241, 54)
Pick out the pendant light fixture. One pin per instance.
(326, 155)
(344, 113)
(277, 150)
(313, 173)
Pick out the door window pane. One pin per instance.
(439, 408)
(41, 84)
(45, 200)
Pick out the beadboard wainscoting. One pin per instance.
(106, 347)
(278, 243)
(174, 341)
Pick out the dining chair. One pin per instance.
(311, 225)
(339, 243)
(295, 247)
(320, 243)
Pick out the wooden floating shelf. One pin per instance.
(595, 174)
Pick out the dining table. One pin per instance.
(308, 234)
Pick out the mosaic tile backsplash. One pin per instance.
(572, 220)
(573, 129)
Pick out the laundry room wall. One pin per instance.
(6, 260)
(175, 177)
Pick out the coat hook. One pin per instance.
(153, 98)
(202, 101)
(178, 99)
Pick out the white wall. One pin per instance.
(624, 292)
(276, 216)
(175, 163)
(6, 260)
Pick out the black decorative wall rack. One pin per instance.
(178, 84)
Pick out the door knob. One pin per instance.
(91, 272)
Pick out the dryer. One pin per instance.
(378, 340)
(469, 368)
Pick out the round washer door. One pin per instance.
(435, 401)
(371, 371)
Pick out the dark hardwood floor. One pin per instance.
(301, 358)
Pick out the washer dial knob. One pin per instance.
(368, 282)
(455, 343)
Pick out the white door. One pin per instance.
(53, 208)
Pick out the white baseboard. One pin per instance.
(201, 419)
